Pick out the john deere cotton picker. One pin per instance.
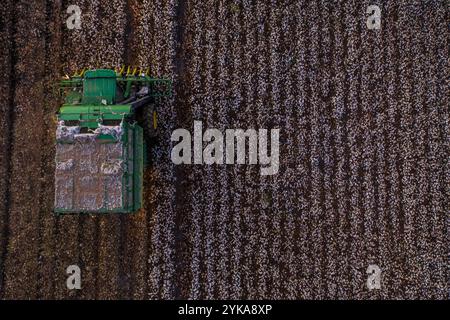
(105, 124)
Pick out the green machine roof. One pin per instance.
(99, 87)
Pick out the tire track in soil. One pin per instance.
(7, 89)
(182, 63)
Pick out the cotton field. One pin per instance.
(363, 158)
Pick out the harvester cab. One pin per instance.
(105, 126)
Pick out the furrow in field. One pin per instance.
(211, 103)
(245, 118)
(196, 105)
(353, 68)
(381, 253)
(393, 268)
(290, 186)
(326, 93)
(239, 185)
(228, 101)
(316, 157)
(340, 118)
(303, 144)
(273, 109)
(227, 225)
(415, 163)
(407, 21)
(421, 129)
(369, 112)
(262, 93)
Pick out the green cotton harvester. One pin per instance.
(105, 125)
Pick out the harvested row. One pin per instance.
(25, 170)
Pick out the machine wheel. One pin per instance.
(150, 122)
(147, 119)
